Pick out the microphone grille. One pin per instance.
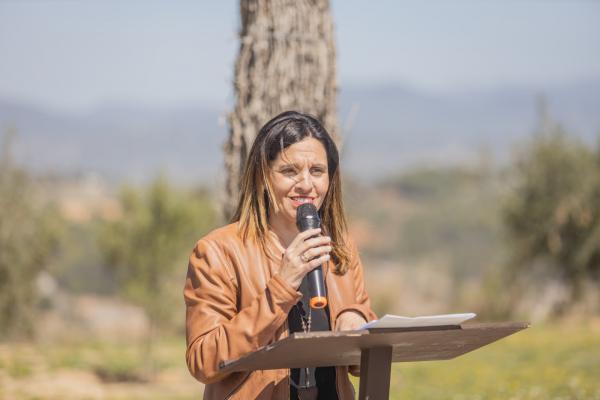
(306, 210)
(307, 217)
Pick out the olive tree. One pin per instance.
(286, 61)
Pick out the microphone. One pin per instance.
(307, 218)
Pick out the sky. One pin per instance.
(75, 55)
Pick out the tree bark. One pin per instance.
(286, 61)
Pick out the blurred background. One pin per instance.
(471, 158)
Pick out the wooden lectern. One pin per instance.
(374, 350)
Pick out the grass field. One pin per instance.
(543, 362)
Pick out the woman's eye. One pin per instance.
(288, 171)
(317, 171)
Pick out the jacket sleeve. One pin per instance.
(362, 304)
(216, 330)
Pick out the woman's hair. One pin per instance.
(256, 196)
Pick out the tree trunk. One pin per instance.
(286, 62)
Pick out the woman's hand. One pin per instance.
(349, 321)
(304, 254)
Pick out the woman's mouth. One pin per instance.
(297, 201)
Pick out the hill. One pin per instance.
(387, 128)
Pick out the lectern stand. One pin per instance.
(374, 350)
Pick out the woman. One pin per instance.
(246, 285)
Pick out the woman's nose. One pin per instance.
(305, 183)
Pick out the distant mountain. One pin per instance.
(120, 143)
(399, 128)
(391, 128)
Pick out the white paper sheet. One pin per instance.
(398, 321)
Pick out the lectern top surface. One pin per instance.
(316, 349)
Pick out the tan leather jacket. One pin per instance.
(236, 303)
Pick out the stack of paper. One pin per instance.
(397, 321)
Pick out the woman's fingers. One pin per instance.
(316, 252)
(314, 263)
(302, 236)
(295, 249)
(306, 252)
(314, 242)
(307, 240)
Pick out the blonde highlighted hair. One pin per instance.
(256, 194)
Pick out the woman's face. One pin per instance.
(298, 175)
